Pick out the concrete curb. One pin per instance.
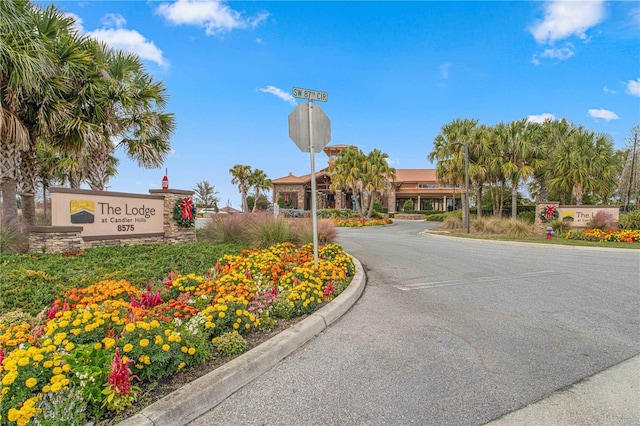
(196, 398)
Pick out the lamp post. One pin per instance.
(466, 183)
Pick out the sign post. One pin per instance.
(311, 131)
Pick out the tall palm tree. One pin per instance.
(584, 163)
(450, 155)
(346, 174)
(377, 176)
(25, 63)
(259, 181)
(516, 148)
(45, 109)
(241, 176)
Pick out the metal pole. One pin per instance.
(314, 218)
(466, 182)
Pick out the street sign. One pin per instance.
(312, 95)
(299, 128)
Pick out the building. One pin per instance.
(419, 185)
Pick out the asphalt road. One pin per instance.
(452, 332)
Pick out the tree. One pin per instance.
(584, 163)
(25, 64)
(630, 175)
(516, 149)
(205, 195)
(377, 176)
(241, 176)
(449, 153)
(259, 181)
(362, 175)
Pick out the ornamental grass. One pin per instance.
(95, 348)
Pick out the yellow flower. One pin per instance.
(97, 346)
(128, 347)
(181, 365)
(31, 382)
(23, 361)
(47, 364)
(66, 368)
(108, 342)
(221, 314)
(130, 327)
(235, 326)
(184, 349)
(166, 347)
(158, 340)
(69, 346)
(144, 343)
(192, 351)
(57, 370)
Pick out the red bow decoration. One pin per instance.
(187, 208)
(550, 212)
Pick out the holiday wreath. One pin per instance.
(184, 212)
(549, 213)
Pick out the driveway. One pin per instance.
(452, 332)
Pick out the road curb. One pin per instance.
(196, 398)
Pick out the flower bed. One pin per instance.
(88, 354)
(357, 223)
(629, 236)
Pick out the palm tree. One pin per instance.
(259, 182)
(241, 176)
(346, 174)
(450, 156)
(516, 148)
(584, 163)
(25, 64)
(45, 109)
(377, 176)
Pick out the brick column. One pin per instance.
(539, 226)
(174, 233)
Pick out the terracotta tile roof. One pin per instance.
(291, 179)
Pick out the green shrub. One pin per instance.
(436, 217)
(560, 227)
(527, 216)
(231, 344)
(407, 206)
(630, 221)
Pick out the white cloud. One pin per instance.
(215, 16)
(603, 114)
(608, 91)
(563, 19)
(633, 87)
(562, 53)
(279, 93)
(113, 20)
(444, 69)
(130, 41)
(541, 118)
(123, 39)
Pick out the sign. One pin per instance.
(299, 127)
(107, 213)
(312, 95)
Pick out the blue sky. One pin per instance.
(395, 73)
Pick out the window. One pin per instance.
(428, 186)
